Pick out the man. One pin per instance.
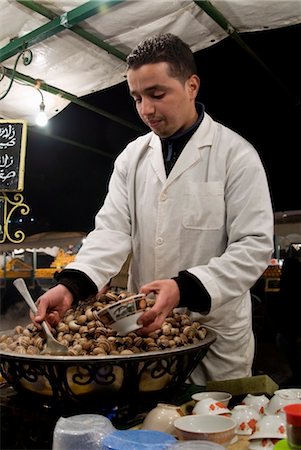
(190, 201)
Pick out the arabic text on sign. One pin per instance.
(4, 176)
(7, 137)
(6, 161)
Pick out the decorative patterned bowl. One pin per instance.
(210, 407)
(246, 419)
(270, 427)
(122, 316)
(218, 396)
(257, 402)
(105, 380)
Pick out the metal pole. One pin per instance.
(40, 9)
(71, 142)
(224, 23)
(66, 20)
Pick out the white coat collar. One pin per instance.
(191, 153)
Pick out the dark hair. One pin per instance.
(164, 48)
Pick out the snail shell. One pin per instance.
(74, 326)
(89, 314)
(126, 352)
(99, 351)
(32, 350)
(20, 349)
(19, 329)
(62, 327)
(189, 331)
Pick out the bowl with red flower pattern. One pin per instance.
(246, 419)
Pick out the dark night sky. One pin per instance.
(65, 185)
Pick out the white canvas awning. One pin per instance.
(77, 49)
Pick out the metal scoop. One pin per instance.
(52, 346)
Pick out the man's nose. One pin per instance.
(147, 107)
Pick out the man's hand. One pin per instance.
(167, 298)
(52, 305)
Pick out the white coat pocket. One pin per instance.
(204, 206)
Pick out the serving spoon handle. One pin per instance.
(52, 346)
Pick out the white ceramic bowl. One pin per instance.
(223, 397)
(122, 316)
(209, 406)
(257, 402)
(246, 419)
(217, 429)
(162, 417)
(281, 398)
(289, 393)
(270, 427)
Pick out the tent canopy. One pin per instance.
(43, 240)
(80, 47)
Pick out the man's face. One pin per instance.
(164, 103)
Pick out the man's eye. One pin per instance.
(137, 100)
(158, 96)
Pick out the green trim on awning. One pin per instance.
(40, 9)
(66, 20)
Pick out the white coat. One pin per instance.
(212, 216)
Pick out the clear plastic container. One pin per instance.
(81, 432)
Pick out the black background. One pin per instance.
(65, 185)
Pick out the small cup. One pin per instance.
(257, 402)
(161, 418)
(218, 396)
(270, 427)
(281, 398)
(122, 316)
(293, 424)
(246, 419)
(209, 406)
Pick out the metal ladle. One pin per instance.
(52, 346)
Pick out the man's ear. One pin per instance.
(193, 84)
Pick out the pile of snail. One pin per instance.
(84, 334)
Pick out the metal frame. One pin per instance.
(70, 21)
(224, 23)
(55, 26)
(40, 9)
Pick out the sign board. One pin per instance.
(1, 218)
(12, 154)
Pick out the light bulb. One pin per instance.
(41, 118)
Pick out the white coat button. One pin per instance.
(160, 241)
(163, 197)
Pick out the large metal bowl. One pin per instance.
(108, 380)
